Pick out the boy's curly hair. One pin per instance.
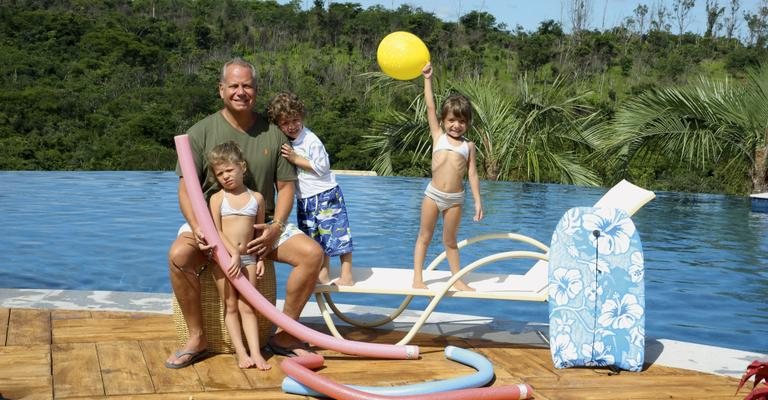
(284, 105)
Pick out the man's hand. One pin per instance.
(202, 244)
(262, 245)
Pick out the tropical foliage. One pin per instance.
(717, 124)
(106, 84)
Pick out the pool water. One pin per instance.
(706, 274)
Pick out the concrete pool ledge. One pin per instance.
(666, 352)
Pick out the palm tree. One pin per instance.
(528, 134)
(712, 122)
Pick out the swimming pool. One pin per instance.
(706, 274)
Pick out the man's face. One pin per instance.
(238, 90)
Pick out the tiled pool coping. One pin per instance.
(671, 353)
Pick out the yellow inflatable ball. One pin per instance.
(402, 55)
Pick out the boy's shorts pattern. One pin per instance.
(323, 217)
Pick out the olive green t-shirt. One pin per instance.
(261, 148)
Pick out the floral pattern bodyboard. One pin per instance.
(596, 291)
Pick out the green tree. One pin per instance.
(712, 122)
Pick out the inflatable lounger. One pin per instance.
(530, 286)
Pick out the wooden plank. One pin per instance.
(5, 313)
(76, 370)
(248, 394)
(96, 330)
(32, 388)
(520, 362)
(25, 372)
(220, 372)
(638, 380)
(122, 315)
(28, 326)
(168, 380)
(70, 314)
(30, 360)
(270, 379)
(123, 368)
(607, 393)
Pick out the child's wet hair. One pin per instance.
(285, 105)
(458, 105)
(227, 152)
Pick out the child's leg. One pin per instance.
(346, 270)
(429, 213)
(451, 220)
(251, 325)
(325, 274)
(232, 318)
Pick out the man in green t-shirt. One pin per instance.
(278, 241)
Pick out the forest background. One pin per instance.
(105, 85)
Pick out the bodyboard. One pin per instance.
(596, 290)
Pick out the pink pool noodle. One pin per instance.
(298, 368)
(247, 291)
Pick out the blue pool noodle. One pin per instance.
(480, 378)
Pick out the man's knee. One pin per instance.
(316, 253)
(183, 257)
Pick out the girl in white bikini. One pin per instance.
(235, 209)
(453, 157)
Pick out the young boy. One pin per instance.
(320, 207)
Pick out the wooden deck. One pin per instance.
(47, 354)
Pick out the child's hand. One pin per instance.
(287, 151)
(478, 213)
(259, 268)
(427, 71)
(234, 266)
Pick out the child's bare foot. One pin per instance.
(243, 361)
(460, 285)
(261, 363)
(419, 285)
(323, 278)
(345, 281)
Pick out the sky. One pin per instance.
(529, 13)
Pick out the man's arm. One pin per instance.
(286, 190)
(262, 245)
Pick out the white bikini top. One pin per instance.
(442, 144)
(249, 210)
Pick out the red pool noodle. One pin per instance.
(250, 294)
(298, 368)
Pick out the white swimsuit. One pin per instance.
(442, 144)
(249, 210)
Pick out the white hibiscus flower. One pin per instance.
(563, 351)
(596, 355)
(616, 230)
(620, 314)
(566, 285)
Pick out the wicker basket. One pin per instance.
(213, 311)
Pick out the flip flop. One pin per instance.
(287, 351)
(194, 356)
